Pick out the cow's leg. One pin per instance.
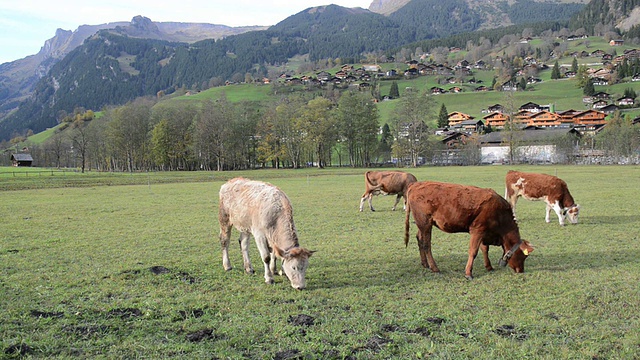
(272, 263)
(474, 246)
(485, 255)
(364, 198)
(244, 246)
(225, 235)
(424, 245)
(512, 198)
(266, 255)
(396, 203)
(558, 209)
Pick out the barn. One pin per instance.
(534, 145)
(21, 159)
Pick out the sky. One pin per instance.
(26, 24)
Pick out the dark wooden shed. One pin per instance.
(21, 159)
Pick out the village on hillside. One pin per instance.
(540, 125)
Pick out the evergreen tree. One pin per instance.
(386, 141)
(394, 93)
(589, 89)
(523, 84)
(555, 72)
(630, 93)
(443, 117)
(574, 65)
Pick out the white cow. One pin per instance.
(263, 210)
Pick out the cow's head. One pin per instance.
(572, 213)
(516, 262)
(294, 264)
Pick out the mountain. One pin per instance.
(622, 14)
(18, 78)
(140, 58)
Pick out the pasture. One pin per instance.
(131, 268)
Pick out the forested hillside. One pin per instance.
(600, 13)
(110, 69)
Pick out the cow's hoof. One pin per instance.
(249, 271)
(228, 268)
(490, 268)
(469, 277)
(269, 281)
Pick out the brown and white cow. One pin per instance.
(263, 210)
(386, 183)
(454, 208)
(552, 190)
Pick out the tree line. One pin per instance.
(295, 131)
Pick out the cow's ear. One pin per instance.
(526, 247)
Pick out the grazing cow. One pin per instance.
(453, 208)
(552, 190)
(263, 210)
(386, 183)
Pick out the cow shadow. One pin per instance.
(609, 219)
(585, 259)
(405, 269)
(408, 268)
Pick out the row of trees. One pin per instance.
(294, 132)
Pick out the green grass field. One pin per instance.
(132, 269)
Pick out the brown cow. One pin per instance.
(263, 210)
(386, 183)
(454, 208)
(552, 190)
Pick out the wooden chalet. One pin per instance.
(609, 109)
(496, 120)
(601, 95)
(495, 108)
(625, 101)
(457, 117)
(473, 126)
(589, 117)
(599, 104)
(455, 139)
(544, 119)
(533, 107)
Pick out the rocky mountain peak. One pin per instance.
(142, 23)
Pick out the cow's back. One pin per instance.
(247, 203)
(457, 208)
(392, 181)
(535, 186)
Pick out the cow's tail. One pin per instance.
(406, 224)
(366, 177)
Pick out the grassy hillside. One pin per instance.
(562, 94)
